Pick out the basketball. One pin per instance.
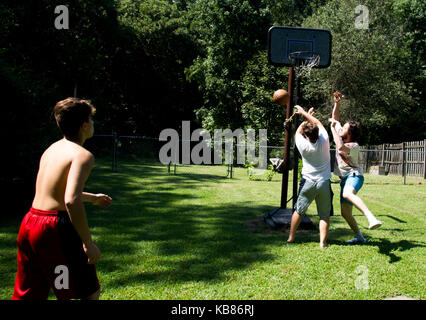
(281, 97)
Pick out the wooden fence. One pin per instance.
(403, 159)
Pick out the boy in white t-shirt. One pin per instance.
(314, 147)
(349, 171)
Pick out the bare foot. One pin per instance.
(323, 245)
(290, 240)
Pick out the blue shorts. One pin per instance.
(354, 181)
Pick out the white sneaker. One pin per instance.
(356, 241)
(375, 224)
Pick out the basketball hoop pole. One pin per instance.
(287, 139)
(295, 151)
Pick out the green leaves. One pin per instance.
(377, 68)
(368, 66)
(230, 33)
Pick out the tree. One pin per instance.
(367, 68)
(229, 33)
(292, 12)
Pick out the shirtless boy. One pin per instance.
(55, 231)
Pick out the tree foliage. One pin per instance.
(148, 65)
(127, 57)
(373, 68)
(231, 33)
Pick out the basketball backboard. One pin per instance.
(285, 41)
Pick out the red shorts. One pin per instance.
(51, 256)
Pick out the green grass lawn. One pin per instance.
(199, 235)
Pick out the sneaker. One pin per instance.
(356, 241)
(374, 225)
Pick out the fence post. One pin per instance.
(366, 160)
(383, 155)
(424, 159)
(404, 161)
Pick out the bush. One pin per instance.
(255, 174)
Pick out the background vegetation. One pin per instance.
(148, 65)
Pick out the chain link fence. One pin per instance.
(381, 166)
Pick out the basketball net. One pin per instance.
(303, 62)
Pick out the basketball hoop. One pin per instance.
(303, 62)
(300, 49)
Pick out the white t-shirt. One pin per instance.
(315, 156)
(351, 165)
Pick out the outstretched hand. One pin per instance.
(102, 200)
(299, 109)
(338, 97)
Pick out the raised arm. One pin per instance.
(336, 112)
(336, 109)
(308, 115)
(300, 128)
(340, 146)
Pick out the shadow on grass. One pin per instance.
(191, 243)
(393, 218)
(153, 168)
(385, 246)
(388, 248)
(158, 234)
(154, 233)
(118, 183)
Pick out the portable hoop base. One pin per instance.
(280, 218)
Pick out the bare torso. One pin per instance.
(53, 174)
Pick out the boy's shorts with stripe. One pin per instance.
(318, 190)
(51, 256)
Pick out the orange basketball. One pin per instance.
(281, 97)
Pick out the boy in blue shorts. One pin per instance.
(349, 171)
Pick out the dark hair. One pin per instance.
(71, 113)
(311, 131)
(354, 130)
